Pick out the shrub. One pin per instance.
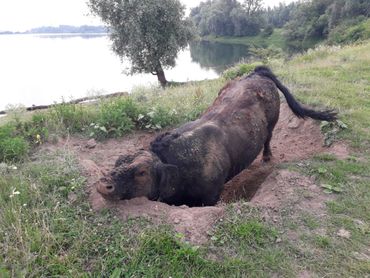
(239, 70)
(117, 116)
(268, 31)
(12, 147)
(349, 33)
(72, 117)
(35, 131)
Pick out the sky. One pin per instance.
(22, 15)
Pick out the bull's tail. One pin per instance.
(295, 106)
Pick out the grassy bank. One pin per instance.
(335, 77)
(345, 33)
(47, 227)
(276, 40)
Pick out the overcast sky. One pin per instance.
(21, 15)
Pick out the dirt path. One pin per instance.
(293, 140)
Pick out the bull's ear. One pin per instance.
(168, 181)
(124, 159)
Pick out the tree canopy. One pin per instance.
(149, 33)
(228, 17)
(321, 19)
(304, 23)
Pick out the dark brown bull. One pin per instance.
(190, 164)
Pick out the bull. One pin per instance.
(190, 164)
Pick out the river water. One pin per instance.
(42, 69)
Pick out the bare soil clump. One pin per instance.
(293, 139)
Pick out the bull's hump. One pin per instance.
(192, 144)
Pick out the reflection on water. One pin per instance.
(217, 56)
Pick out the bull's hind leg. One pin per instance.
(267, 154)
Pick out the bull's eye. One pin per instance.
(141, 173)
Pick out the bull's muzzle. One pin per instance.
(105, 187)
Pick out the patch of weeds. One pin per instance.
(239, 70)
(322, 241)
(265, 54)
(332, 188)
(254, 233)
(156, 118)
(34, 131)
(160, 254)
(60, 176)
(4, 272)
(310, 221)
(325, 157)
(45, 234)
(248, 231)
(337, 172)
(242, 225)
(116, 117)
(97, 131)
(331, 131)
(12, 146)
(71, 117)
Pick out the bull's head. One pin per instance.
(141, 174)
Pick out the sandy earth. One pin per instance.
(262, 183)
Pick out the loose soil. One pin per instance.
(262, 183)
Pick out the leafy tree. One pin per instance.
(252, 7)
(321, 19)
(148, 32)
(228, 18)
(280, 15)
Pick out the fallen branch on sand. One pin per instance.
(75, 101)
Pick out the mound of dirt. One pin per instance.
(280, 188)
(293, 139)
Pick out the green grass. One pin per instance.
(337, 77)
(48, 229)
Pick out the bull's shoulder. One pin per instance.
(188, 142)
(161, 143)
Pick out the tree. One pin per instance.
(149, 33)
(228, 18)
(252, 7)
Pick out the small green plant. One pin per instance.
(265, 54)
(322, 241)
(117, 116)
(331, 131)
(12, 146)
(239, 70)
(332, 188)
(254, 232)
(35, 131)
(97, 131)
(71, 117)
(157, 118)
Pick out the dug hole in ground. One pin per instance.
(263, 184)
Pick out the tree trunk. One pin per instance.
(160, 75)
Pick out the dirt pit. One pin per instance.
(293, 139)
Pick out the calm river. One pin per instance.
(42, 69)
